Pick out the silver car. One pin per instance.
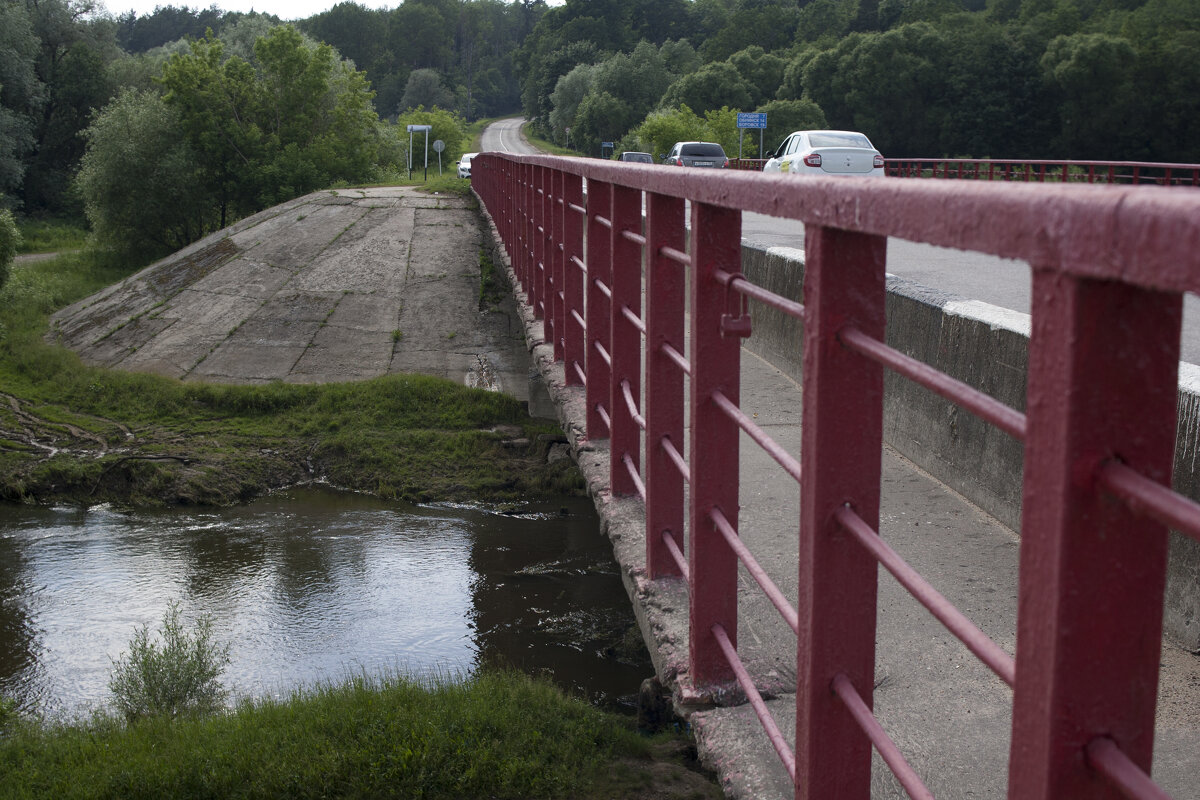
(697, 154)
(826, 153)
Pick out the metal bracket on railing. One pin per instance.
(738, 325)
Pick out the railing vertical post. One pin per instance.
(666, 282)
(625, 437)
(549, 250)
(510, 219)
(713, 454)
(1092, 573)
(558, 297)
(519, 221)
(574, 345)
(599, 322)
(841, 446)
(529, 234)
(537, 276)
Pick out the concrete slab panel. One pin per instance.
(244, 277)
(245, 361)
(111, 350)
(87, 324)
(367, 312)
(172, 275)
(341, 354)
(371, 256)
(294, 242)
(298, 307)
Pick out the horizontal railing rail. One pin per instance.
(1129, 173)
(1047, 171)
(1098, 433)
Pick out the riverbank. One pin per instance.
(498, 735)
(82, 434)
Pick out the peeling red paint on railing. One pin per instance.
(1130, 173)
(1098, 432)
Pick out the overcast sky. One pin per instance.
(284, 9)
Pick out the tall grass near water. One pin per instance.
(496, 735)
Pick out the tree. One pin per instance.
(446, 125)
(424, 88)
(22, 94)
(888, 85)
(1093, 75)
(662, 129)
(567, 95)
(10, 240)
(762, 72)
(139, 178)
(601, 118)
(712, 86)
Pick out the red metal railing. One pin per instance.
(1040, 171)
(1043, 171)
(1098, 434)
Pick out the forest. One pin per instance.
(165, 126)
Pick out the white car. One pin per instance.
(826, 153)
(464, 164)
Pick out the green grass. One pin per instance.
(406, 437)
(51, 235)
(547, 146)
(496, 735)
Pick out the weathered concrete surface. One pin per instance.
(949, 715)
(335, 286)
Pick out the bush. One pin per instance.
(10, 241)
(180, 677)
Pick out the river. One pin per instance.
(309, 586)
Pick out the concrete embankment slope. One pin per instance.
(949, 714)
(334, 286)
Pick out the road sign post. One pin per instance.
(419, 129)
(439, 146)
(756, 120)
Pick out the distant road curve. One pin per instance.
(504, 136)
(973, 276)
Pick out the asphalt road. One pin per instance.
(971, 276)
(504, 136)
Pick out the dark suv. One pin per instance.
(697, 154)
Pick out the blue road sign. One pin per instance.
(751, 120)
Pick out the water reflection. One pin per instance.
(309, 586)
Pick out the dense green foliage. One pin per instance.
(468, 45)
(496, 735)
(238, 111)
(10, 242)
(1098, 79)
(228, 136)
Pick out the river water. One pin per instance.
(310, 586)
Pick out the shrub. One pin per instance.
(10, 240)
(182, 676)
